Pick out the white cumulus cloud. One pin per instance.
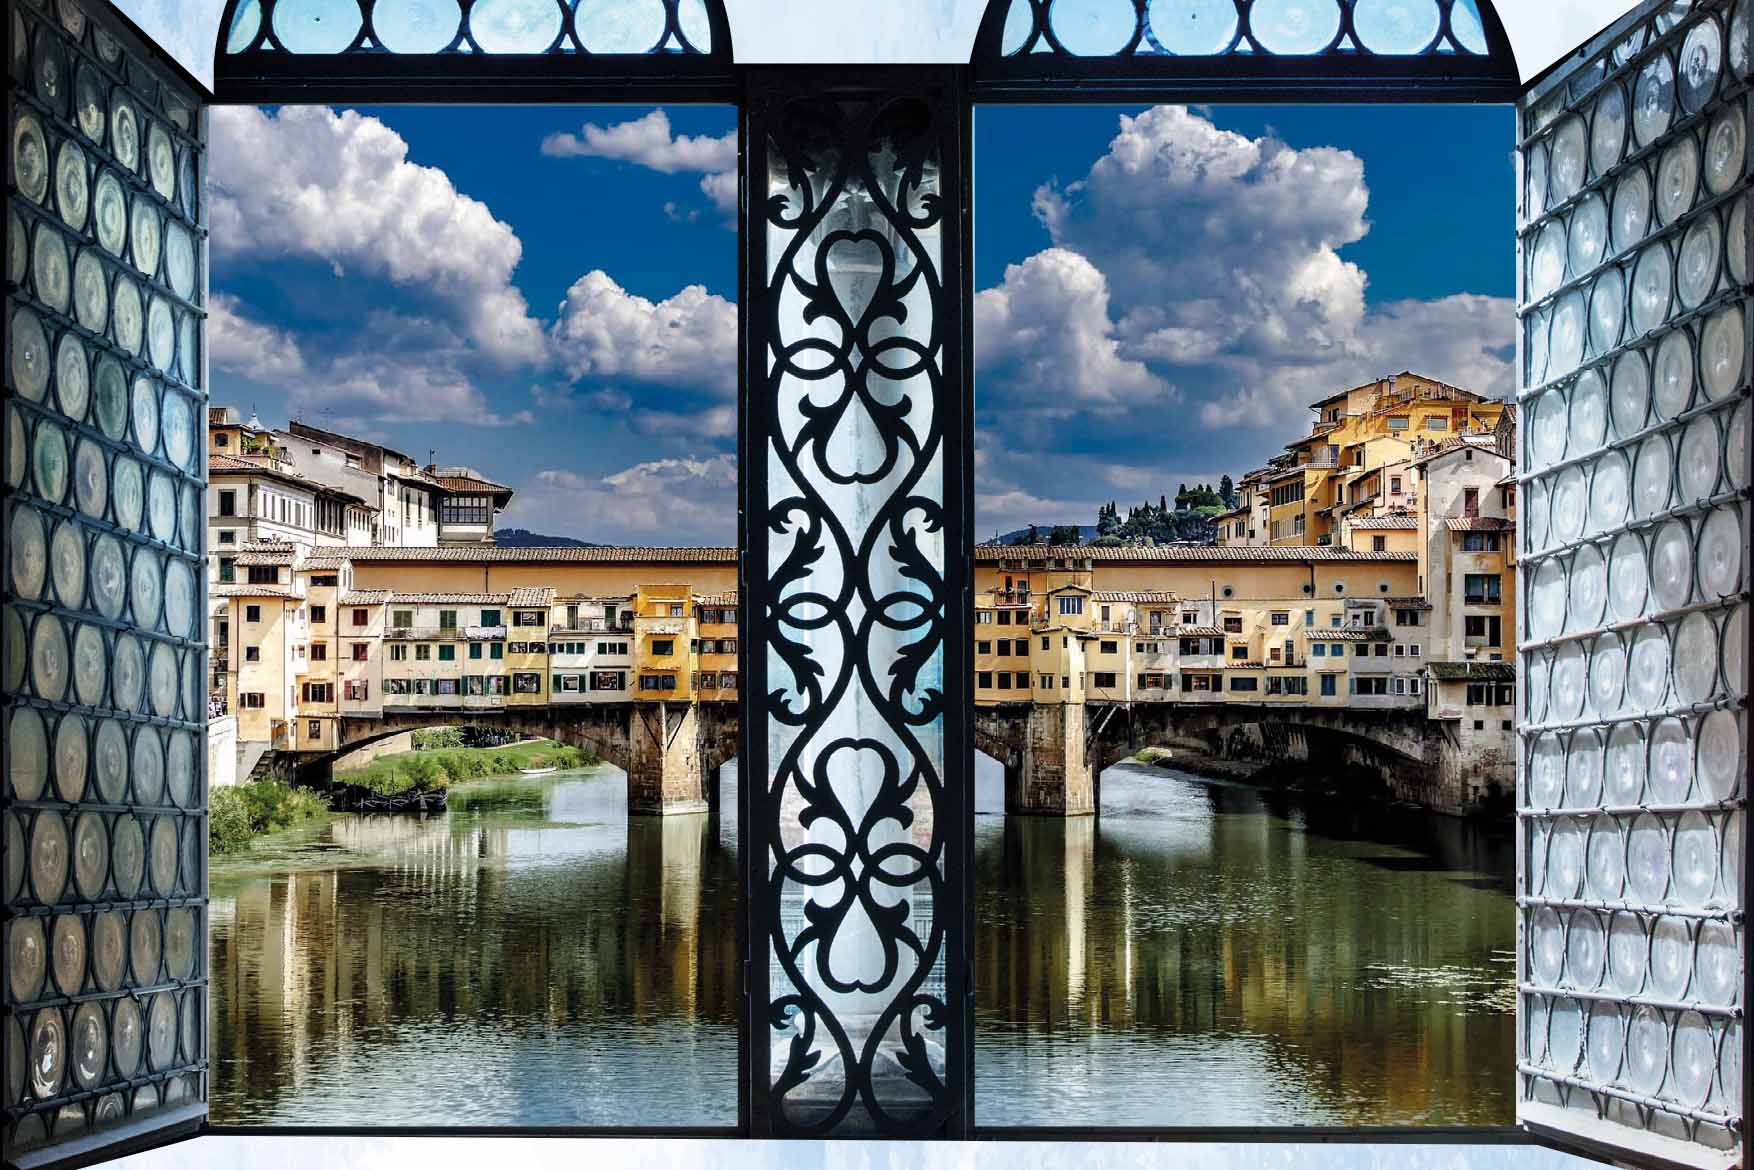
(649, 141)
(662, 501)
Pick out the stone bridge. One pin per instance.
(1054, 755)
(671, 752)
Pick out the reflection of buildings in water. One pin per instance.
(428, 925)
(1375, 983)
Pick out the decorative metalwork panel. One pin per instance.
(856, 502)
(105, 830)
(1205, 28)
(1243, 50)
(1634, 495)
(595, 27)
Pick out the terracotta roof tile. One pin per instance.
(279, 591)
(1185, 554)
(1135, 597)
(365, 597)
(1472, 671)
(1479, 524)
(1386, 524)
(400, 598)
(532, 596)
(500, 555)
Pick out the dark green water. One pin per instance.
(1199, 955)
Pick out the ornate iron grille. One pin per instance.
(104, 804)
(522, 50)
(1375, 50)
(857, 826)
(1636, 352)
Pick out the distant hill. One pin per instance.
(1086, 532)
(524, 538)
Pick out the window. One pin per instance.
(1287, 685)
(361, 650)
(1047, 682)
(657, 682)
(1071, 606)
(399, 652)
(1111, 648)
(1319, 650)
(402, 619)
(252, 654)
(496, 650)
(608, 680)
(1308, 618)
(227, 570)
(1436, 423)
(253, 700)
(319, 693)
(447, 619)
(356, 690)
(1244, 683)
(983, 617)
(1189, 618)
(1239, 653)
(1281, 618)
(465, 510)
(447, 652)
(1408, 617)
(1004, 680)
(529, 617)
(1480, 542)
(1338, 651)
(526, 683)
(252, 613)
(475, 651)
(361, 617)
(1399, 422)
(228, 503)
(1004, 648)
(228, 536)
(663, 648)
(1379, 543)
(1233, 625)
(319, 614)
(1370, 685)
(1329, 687)
(1394, 485)
(984, 680)
(983, 647)
(423, 652)
(1104, 681)
(491, 618)
(264, 575)
(1481, 589)
(1023, 646)
(319, 652)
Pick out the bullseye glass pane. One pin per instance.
(1649, 586)
(490, 27)
(99, 898)
(1387, 28)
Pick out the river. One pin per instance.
(1201, 954)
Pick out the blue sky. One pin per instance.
(547, 293)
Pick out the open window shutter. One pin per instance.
(1635, 360)
(104, 800)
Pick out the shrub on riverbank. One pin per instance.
(437, 739)
(238, 813)
(430, 771)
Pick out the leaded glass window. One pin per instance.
(1634, 561)
(105, 790)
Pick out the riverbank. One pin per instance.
(434, 769)
(239, 814)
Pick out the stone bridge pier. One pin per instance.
(671, 752)
(1054, 755)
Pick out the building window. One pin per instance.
(402, 619)
(475, 651)
(1004, 648)
(984, 680)
(1394, 485)
(1481, 589)
(1399, 422)
(319, 693)
(1242, 683)
(983, 647)
(529, 617)
(1436, 423)
(252, 613)
(983, 617)
(1329, 687)
(319, 652)
(526, 683)
(1071, 606)
(253, 700)
(398, 653)
(1371, 685)
(1379, 544)
(1004, 680)
(355, 691)
(1104, 681)
(361, 650)
(1111, 647)
(1281, 619)
(608, 680)
(264, 575)
(1239, 653)
(227, 570)
(491, 618)
(228, 503)
(423, 652)
(252, 654)
(447, 652)
(663, 648)
(496, 650)
(319, 614)
(1480, 542)
(1233, 625)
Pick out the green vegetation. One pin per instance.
(437, 739)
(238, 813)
(430, 770)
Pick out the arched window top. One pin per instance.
(1244, 50)
(418, 49)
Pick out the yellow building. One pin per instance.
(665, 643)
(526, 654)
(716, 626)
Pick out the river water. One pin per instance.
(1201, 954)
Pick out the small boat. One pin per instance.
(538, 771)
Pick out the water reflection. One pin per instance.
(531, 957)
(1198, 955)
(1214, 955)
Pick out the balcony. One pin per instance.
(481, 633)
(416, 633)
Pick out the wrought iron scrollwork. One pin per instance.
(859, 383)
